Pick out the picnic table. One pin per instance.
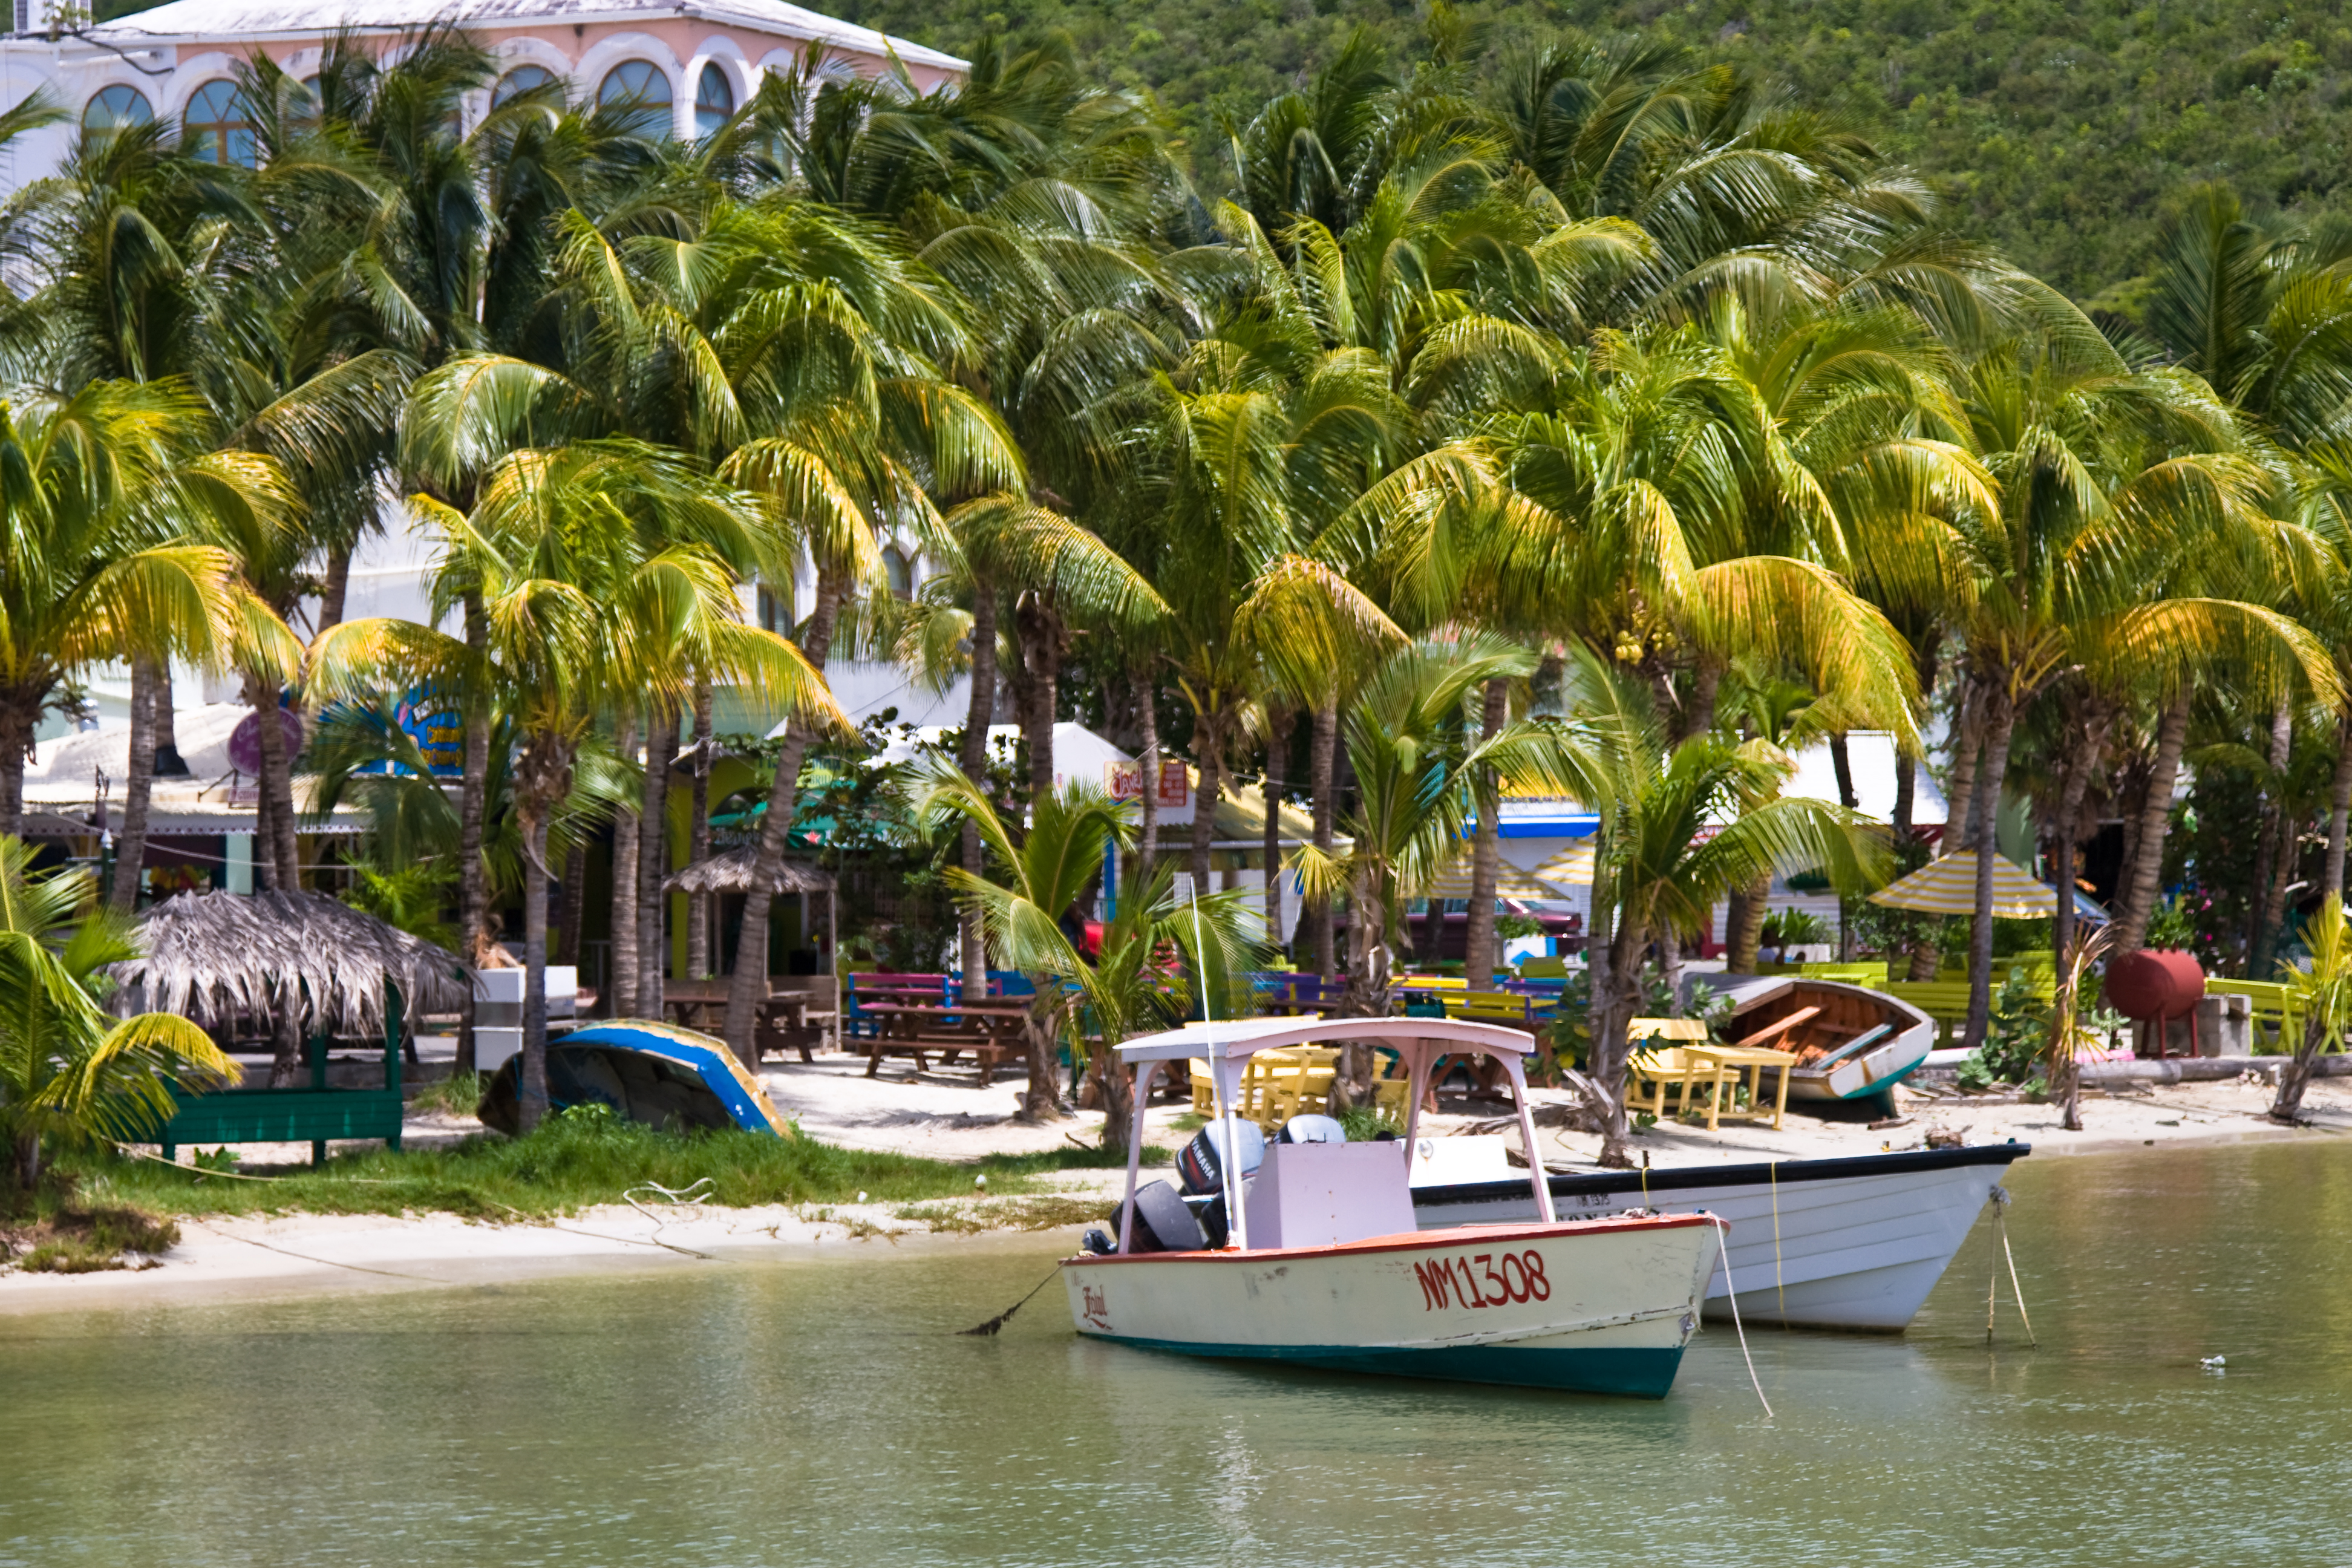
(786, 1016)
(990, 1031)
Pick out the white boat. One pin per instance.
(1834, 1244)
(1325, 1266)
(1851, 1042)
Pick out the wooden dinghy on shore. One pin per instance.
(1851, 1043)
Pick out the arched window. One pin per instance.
(900, 572)
(714, 100)
(116, 107)
(639, 89)
(520, 80)
(217, 126)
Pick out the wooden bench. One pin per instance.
(992, 1032)
(879, 986)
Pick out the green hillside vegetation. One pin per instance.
(2062, 133)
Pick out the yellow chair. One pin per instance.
(1298, 1084)
(1659, 1071)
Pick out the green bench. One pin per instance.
(314, 1114)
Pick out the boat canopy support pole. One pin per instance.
(1134, 1154)
(1535, 1175)
(1227, 1073)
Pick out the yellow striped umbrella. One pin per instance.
(1571, 867)
(1948, 887)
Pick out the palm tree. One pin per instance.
(1030, 886)
(562, 549)
(107, 491)
(2323, 995)
(67, 1072)
(1683, 827)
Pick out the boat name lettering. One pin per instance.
(1095, 1309)
(1457, 1281)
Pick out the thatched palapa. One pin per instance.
(731, 873)
(216, 956)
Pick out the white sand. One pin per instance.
(947, 1116)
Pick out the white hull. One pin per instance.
(1600, 1307)
(1870, 1073)
(1841, 1244)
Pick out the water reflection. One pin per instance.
(825, 1413)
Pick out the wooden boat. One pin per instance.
(1326, 1267)
(1851, 1043)
(1835, 1244)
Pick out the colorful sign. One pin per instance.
(437, 731)
(1125, 781)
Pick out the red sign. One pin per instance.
(1125, 781)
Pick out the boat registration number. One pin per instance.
(1486, 1280)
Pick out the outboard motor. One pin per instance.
(1202, 1165)
(1312, 1129)
(1163, 1222)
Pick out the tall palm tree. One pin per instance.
(560, 547)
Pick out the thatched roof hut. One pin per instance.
(217, 957)
(731, 873)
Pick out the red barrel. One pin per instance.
(2154, 983)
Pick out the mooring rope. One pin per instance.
(2000, 1200)
(1723, 1235)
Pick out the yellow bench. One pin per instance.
(2276, 1017)
(1871, 975)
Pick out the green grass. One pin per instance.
(572, 1162)
(457, 1094)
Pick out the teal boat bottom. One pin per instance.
(1625, 1371)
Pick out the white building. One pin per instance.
(697, 60)
(694, 60)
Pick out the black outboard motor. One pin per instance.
(1202, 1165)
(1163, 1222)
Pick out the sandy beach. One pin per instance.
(947, 1117)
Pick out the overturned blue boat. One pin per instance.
(659, 1074)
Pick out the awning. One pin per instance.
(1571, 867)
(1510, 882)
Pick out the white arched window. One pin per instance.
(520, 80)
(714, 100)
(641, 92)
(218, 127)
(115, 107)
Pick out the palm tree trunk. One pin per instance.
(1323, 750)
(336, 587)
(2294, 1074)
(653, 858)
(978, 714)
(747, 987)
(1841, 764)
(575, 901)
(277, 784)
(1959, 813)
(2146, 869)
(473, 806)
(138, 790)
(531, 1088)
(2276, 867)
(1744, 923)
(2001, 718)
(168, 764)
(1208, 753)
(1147, 719)
(1615, 996)
(621, 977)
(1480, 956)
(1042, 632)
(19, 713)
(1277, 764)
(1042, 1101)
(698, 844)
(2339, 807)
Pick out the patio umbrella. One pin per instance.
(1571, 867)
(1510, 882)
(1948, 887)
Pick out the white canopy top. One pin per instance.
(1239, 1039)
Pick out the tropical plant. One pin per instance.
(2323, 996)
(69, 1073)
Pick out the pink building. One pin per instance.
(692, 60)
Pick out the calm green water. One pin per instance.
(820, 1414)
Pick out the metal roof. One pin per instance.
(214, 20)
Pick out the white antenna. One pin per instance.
(1237, 1223)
